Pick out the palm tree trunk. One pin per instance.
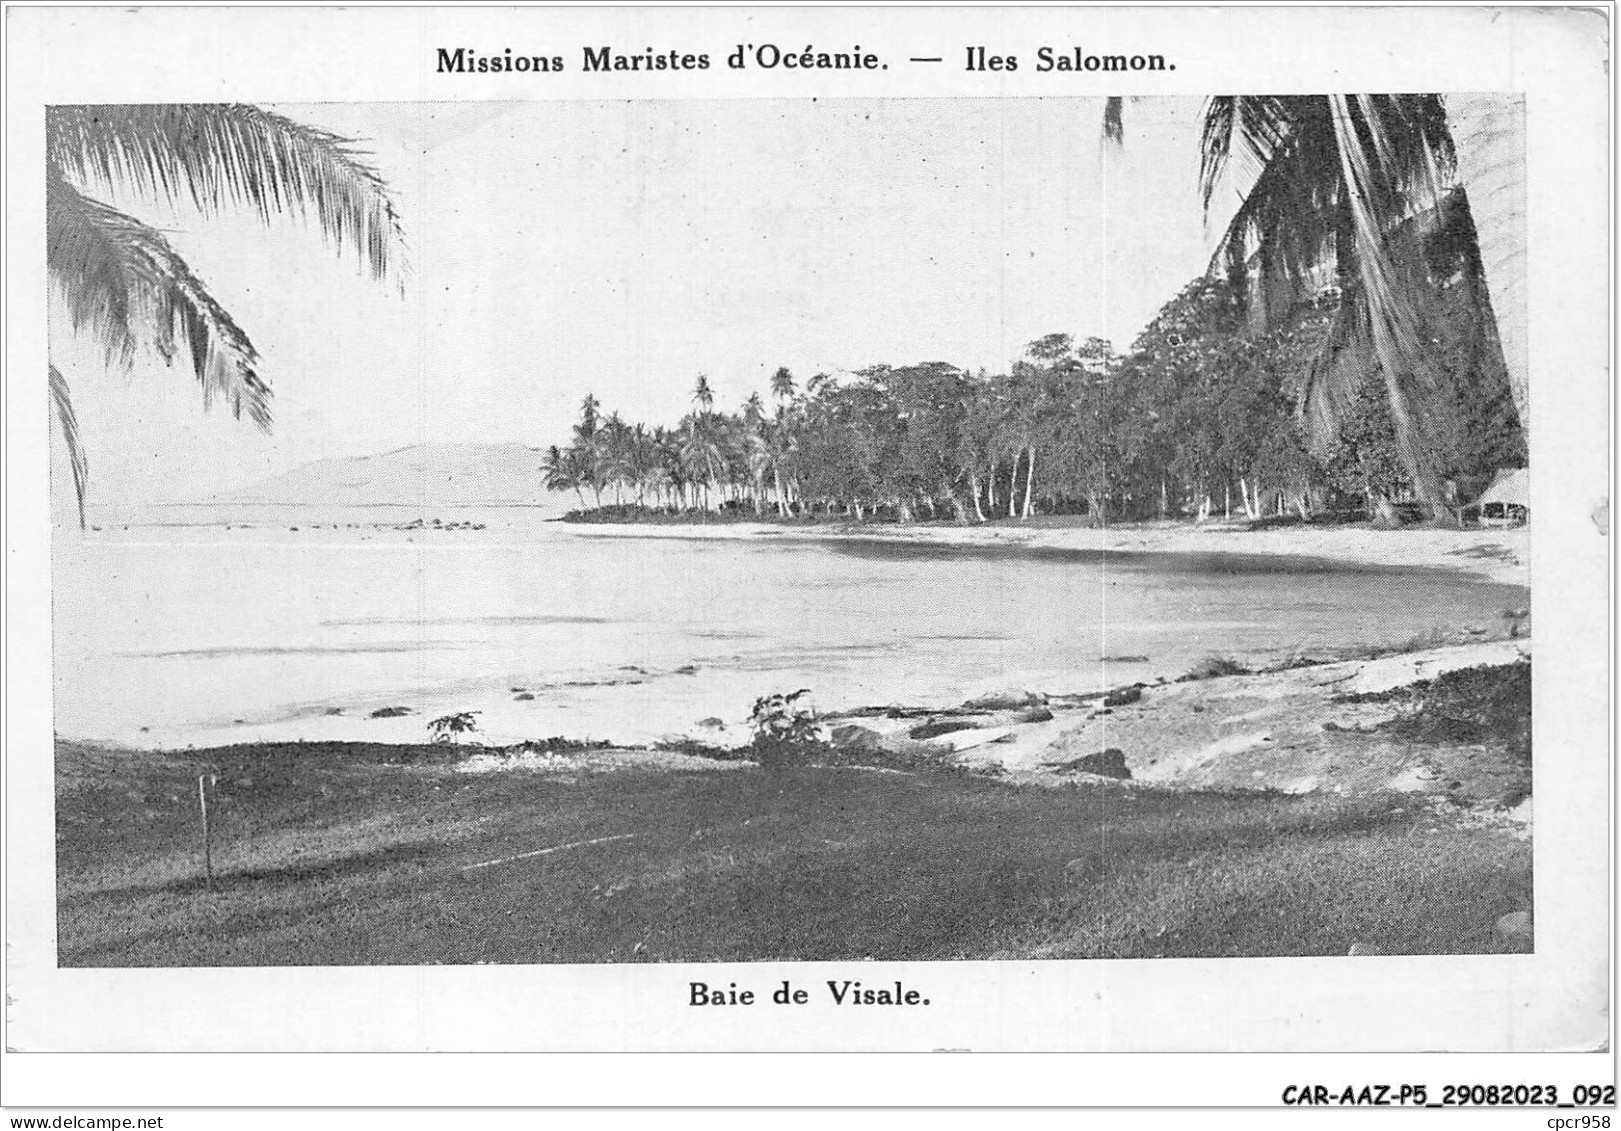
(1488, 136)
(1029, 478)
(974, 482)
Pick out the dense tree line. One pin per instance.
(1199, 417)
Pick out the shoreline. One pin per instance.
(1179, 732)
(1499, 555)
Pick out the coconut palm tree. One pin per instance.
(1337, 175)
(672, 472)
(782, 385)
(1336, 189)
(616, 438)
(701, 453)
(642, 462)
(702, 395)
(588, 446)
(125, 286)
(754, 442)
(564, 471)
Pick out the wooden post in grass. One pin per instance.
(208, 848)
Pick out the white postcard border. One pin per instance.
(1556, 998)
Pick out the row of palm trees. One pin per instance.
(926, 440)
(709, 459)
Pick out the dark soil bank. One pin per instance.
(346, 854)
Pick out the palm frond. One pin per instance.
(1262, 125)
(121, 281)
(215, 155)
(1371, 184)
(69, 420)
(1336, 177)
(1114, 125)
(1291, 211)
(1430, 252)
(1342, 365)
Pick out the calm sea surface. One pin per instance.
(179, 634)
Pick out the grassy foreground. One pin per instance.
(354, 854)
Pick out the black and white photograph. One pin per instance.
(912, 542)
(822, 544)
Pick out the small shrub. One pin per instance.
(450, 728)
(785, 734)
(557, 744)
(1213, 666)
(694, 748)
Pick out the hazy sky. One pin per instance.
(625, 247)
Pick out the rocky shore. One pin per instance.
(1448, 722)
(1321, 727)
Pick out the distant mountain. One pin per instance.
(433, 475)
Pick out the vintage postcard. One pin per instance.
(810, 530)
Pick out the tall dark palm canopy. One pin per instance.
(1334, 181)
(120, 280)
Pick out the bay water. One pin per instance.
(197, 632)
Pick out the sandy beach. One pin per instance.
(1500, 554)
